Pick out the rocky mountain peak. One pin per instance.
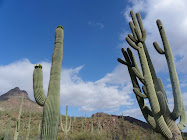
(15, 92)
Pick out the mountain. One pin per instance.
(11, 101)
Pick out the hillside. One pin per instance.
(10, 101)
(112, 126)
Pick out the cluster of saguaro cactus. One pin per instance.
(65, 128)
(16, 133)
(51, 109)
(159, 116)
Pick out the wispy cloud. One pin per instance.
(96, 24)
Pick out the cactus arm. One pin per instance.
(138, 93)
(183, 119)
(131, 37)
(51, 110)
(69, 125)
(39, 94)
(162, 102)
(162, 89)
(144, 89)
(123, 62)
(134, 20)
(134, 37)
(158, 49)
(129, 41)
(172, 71)
(141, 36)
(140, 23)
(138, 74)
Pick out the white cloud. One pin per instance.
(96, 24)
(136, 112)
(88, 96)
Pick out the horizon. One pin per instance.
(92, 80)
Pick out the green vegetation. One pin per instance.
(113, 128)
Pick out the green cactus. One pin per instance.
(74, 120)
(82, 124)
(16, 133)
(159, 116)
(65, 128)
(28, 127)
(51, 109)
(6, 136)
(99, 127)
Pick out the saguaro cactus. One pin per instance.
(16, 133)
(28, 127)
(6, 136)
(65, 127)
(159, 116)
(51, 110)
(99, 129)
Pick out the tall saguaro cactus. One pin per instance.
(16, 133)
(51, 110)
(159, 116)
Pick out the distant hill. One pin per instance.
(11, 100)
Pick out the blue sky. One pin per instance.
(94, 32)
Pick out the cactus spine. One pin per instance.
(28, 127)
(51, 109)
(159, 116)
(65, 128)
(16, 133)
